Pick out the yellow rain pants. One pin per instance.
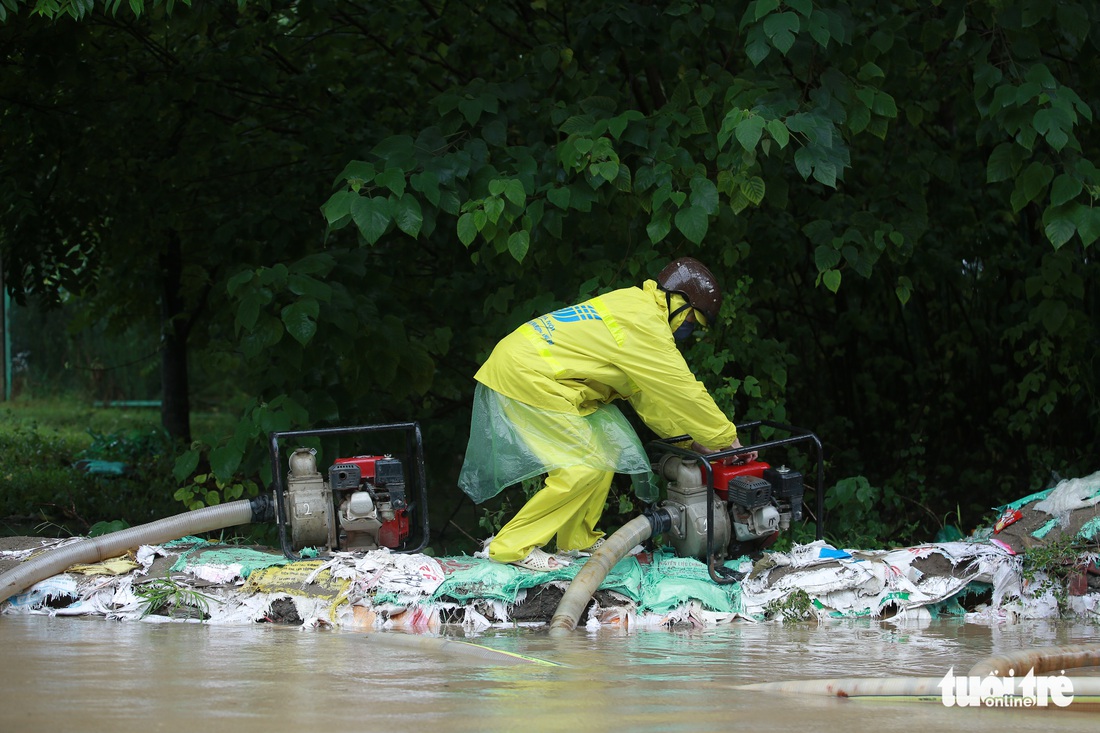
(569, 505)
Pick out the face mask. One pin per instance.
(686, 328)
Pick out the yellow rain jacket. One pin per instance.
(615, 346)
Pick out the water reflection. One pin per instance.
(66, 673)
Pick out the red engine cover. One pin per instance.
(723, 473)
(391, 533)
(365, 463)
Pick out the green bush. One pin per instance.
(42, 487)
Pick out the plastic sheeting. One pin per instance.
(511, 442)
(981, 578)
(1070, 495)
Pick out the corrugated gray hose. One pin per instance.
(96, 549)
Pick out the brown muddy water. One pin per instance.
(87, 674)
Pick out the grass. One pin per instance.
(71, 418)
(167, 597)
(42, 492)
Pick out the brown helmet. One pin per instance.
(691, 279)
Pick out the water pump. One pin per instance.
(752, 503)
(725, 508)
(365, 502)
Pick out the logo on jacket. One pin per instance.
(544, 325)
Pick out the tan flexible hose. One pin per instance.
(915, 688)
(593, 573)
(1040, 660)
(854, 687)
(96, 549)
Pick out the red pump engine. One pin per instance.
(370, 494)
(752, 503)
(366, 492)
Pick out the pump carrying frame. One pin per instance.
(796, 435)
(414, 447)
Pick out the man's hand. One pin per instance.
(742, 458)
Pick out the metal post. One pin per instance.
(5, 341)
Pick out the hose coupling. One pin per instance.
(660, 519)
(263, 508)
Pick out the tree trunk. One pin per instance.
(175, 405)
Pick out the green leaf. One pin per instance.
(704, 194)
(903, 290)
(618, 124)
(300, 319)
(338, 205)
(1087, 221)
(448, 202)
(1031, 184)
(304, 285)
(1059, 230)
(513, 191)
(659, 226)
(559, 197)
(186, 464)
(779, 132)
(355, 173)
(698, 120)
(763, 7)
(1065, 188)
(858, 118)
(692, 221)
(1003, 163)
(739, 203)
(826, 258)
(820, 29)
(884, 105)
(408, 215)
(804, 162)
(780, 28)
(831, 278)
(1053, 314)
(753, 189)
(748, 131)
(870, 70)
(757, 47)
(224, 461)
(426, 183)
(372, 216)
(393, 179)
(518, 244)
(825, 172)
(494, 207)
(804, 7)
(607, 170)
(467, 229)
(471, 109)
(237, 281)
(249, 311)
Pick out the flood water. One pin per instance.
(88, 674)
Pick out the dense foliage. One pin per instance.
(900, 198)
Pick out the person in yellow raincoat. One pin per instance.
(543, 405)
